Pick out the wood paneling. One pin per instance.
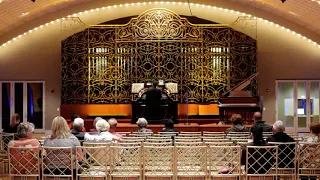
(125, 110)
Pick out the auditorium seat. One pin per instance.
(158, 162)
(261, 162)
(24, 162)
(287, 158)
(57, 162)
(309, 160)
(94, 164)
(126, 163)
(192, 162)
(224, 162)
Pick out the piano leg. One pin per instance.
(221, 115)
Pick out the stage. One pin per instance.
(191, 127)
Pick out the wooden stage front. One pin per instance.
(192, 127)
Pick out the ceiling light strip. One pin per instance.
(156, 3)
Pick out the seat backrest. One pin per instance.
(208, 139)
(58, 161)
(5, 139)
(309, 158)
(124, 134)
(157, 144)
(158, 140)
(94, 162)
(189, 143)
(158, 160)
(24, 161)
(192, 160)
(262, 160)
(187, 140)
(224, 159)
(219, 143)
(126, 159)
(286, 154)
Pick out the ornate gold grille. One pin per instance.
(100, 63)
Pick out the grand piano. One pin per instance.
(238, 101)
(168, 107)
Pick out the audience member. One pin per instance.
(94, 124)
(113, 126)
(169, 126)
(279, 135)
(24, 133)
(254, 167)
(315, 134)
(286, 153)
(78, 124)
(24, 160)
(72, 118)
(142, 126)
(14, 122)
(260, 123)
(61, 137)
(238, 126)
(312, 154)
(102, 127)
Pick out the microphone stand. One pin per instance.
(186, 120)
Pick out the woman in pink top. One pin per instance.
(113, 126)
(26, 160)
(24, 133)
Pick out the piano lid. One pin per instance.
(242, 85)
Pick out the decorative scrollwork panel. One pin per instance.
(100, 63)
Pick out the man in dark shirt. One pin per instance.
(153, 100)
(169, 126)
(258, 122)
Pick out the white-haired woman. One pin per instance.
(102, 127)
(28, 161)
(142, 126)
(24, 133)
(94, 124)
(61, 137)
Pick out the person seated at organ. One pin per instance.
(169, 126)
(142, 126)
(78, 124)
(153, 100)
(72, 118)
(61, 137)
(102, 127)
(113, 126)
(238, 126)
(94, 124)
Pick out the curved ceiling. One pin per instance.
(14, 13)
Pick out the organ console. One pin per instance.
(239, 101)
(168, 106)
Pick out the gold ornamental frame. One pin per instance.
(204, 59)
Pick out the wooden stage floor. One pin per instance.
(191, 127)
